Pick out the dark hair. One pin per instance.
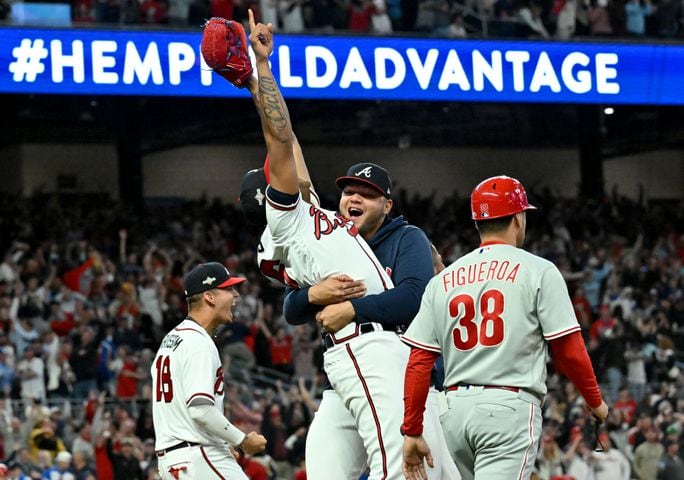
(494, 225)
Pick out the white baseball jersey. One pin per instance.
(269, 256)
(187, 366)
(489, 313)
(314, 243)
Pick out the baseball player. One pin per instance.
(490, 315)
(193, 438)
(405, 252)
(314, 244)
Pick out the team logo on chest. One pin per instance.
(323, 225)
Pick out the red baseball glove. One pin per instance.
(224, 48)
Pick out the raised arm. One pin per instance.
(304, 179)
(275, 121)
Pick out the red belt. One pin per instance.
(456, 387)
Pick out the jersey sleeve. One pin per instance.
(421, 332)
(270, 265)
(554, 308)
(282, 214)
(198, 375)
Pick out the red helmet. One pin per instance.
(498, 197)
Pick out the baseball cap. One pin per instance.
(370, 174)
(207, 276)
(253, 196)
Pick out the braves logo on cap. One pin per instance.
(208, 280)
(366, 172)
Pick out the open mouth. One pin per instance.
(354, 212)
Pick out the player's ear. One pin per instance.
(388, 206)
(209, 297)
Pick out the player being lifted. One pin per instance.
(490, 314)
(364, 363)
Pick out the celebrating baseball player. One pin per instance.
(193, 438)
(311, 244)
(404, 251)
(490, 315)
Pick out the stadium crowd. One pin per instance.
(88, 288)
(560, 19)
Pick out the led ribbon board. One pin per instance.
(168, 63)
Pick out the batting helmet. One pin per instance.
(498, 197)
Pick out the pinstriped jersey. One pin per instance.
(316, 243)
(489, 314)
(187, 367)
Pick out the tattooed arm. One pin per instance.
(275, 119)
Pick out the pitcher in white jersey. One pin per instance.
(313, 244)
(193, 438)
(490, 314)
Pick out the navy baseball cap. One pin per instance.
(370, 174)
(208, 276)
(253, 196)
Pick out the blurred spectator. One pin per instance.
(636, 16)
(648, 455)
(126, 462)
(61, 470)
(457, 27)
(269, 12)
(359, 15)
(549, 459)
(626, 405)
(83, 362)
(44, 439)
(566, 20)
(292, 15)
(530, 16)
(610, 464)
(671, 466)
(31, 372)
(275, 430)
(380, 20)
(81, 466)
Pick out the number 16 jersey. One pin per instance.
(489, 314)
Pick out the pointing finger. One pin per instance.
(252, 25)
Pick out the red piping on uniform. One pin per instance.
(200, 395)
(564, 332)
(493, 242)
(422, 346)
(206, 459)
(267, 169)
(177, 329)
(384, 285)
(283, 208)
(348, 337)
(375, 413)
(527, 451)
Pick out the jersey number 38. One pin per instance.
(487, 328)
